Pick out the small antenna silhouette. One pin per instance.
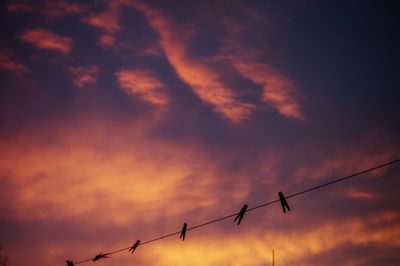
(273, 257)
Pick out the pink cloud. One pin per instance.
(107, 21)
(83, 76)
(143, 84)
(106, 40)
(150, 50)
(205, 82)
(361, 195)
(44, 39)
(278, 91)
(49, 9)
(10, 63)
(344, 159)
(249, 60)
(142, 175)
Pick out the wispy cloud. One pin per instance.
(107, 21)
(10, 63)
(252, 248)
(47, 40)
(83, 76)
(251, 61)
(278, 90)
(204, 81)
(107, 40)
(49, 9)
(144, 84)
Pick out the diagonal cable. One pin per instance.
(254, 208)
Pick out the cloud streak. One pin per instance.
(47, 40)
(143, 84)
(204, 81)
(10, 63)
(278, 91)
(83, 76)
(107, 21)
(89, 166)
(49, 9)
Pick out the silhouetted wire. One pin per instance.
(254, 208)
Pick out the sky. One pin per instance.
(121, 120)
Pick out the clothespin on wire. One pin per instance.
(284, 203)
(132, 249)
(183, 232)
(100, 256)
(70, 263)
(241, 214)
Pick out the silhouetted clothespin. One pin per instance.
(132, 249)
(100, 256)
(70, 263)
(183, 232)
(284, 203)
(241, 214)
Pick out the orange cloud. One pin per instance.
(44, 39)
(346, 160)
(49, 9)
(150, 50)
(107, 40)
(249, 247)
(10, 63)
(249, 60)
(278, 90)
(83, 76)
(107, 22)
(131, 170)
(115, 176)
(143, 84)
(204, 81)
(361, 195)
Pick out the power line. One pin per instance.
(253, 208)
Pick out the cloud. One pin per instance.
(252, 60)
(49, 9)
(107, 21)
(91, 177)
(144, 84)
(83, 76)
(10, 63)
(117, 177)
(208, 82)
(278, 91)
(247, 247)
(205, 81)
(107, 40)
(343, 160)
(79, 182)
(47, 40)
(150, 49)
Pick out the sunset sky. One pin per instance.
(120, 120)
